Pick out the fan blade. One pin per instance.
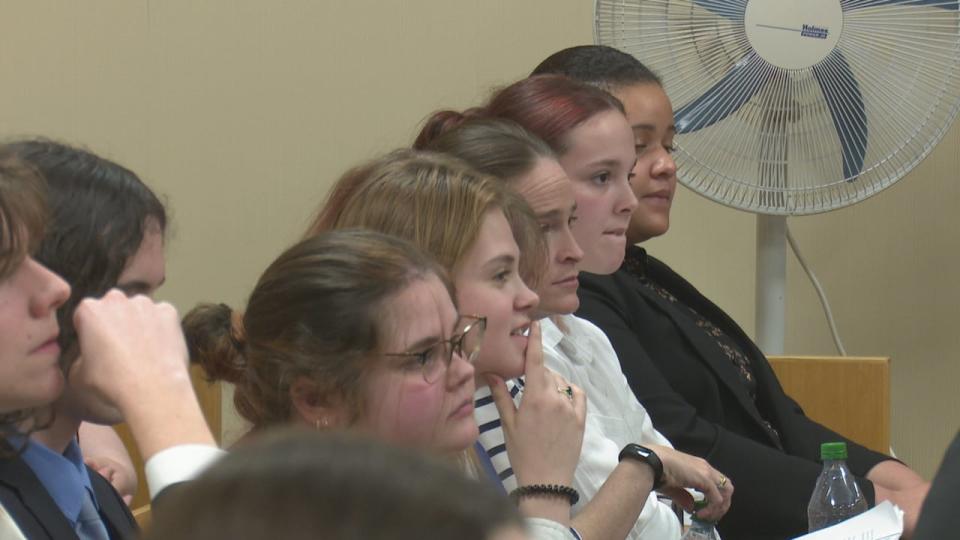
(725, 97)
(860, 4)
(843, 97)
(724, 8)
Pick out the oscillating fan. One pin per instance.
(792, 107)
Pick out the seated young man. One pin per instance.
(106, 231)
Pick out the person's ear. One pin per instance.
(313, 407)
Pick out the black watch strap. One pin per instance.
(648, 456)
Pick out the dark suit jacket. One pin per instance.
(939, 517)
(697, 399)
(39, 517)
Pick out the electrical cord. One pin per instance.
(820, 293)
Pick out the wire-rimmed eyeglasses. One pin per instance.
(465, 341)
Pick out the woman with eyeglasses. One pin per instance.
(369, 336)
(325, 337)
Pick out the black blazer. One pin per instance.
(939, 517)
(38, 516)
(697, 399)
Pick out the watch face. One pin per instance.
(644, 454)
(639, 451)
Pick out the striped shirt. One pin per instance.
(583, 355)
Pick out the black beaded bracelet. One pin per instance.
(546, 489)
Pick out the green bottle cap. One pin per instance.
(698, 505)
(833, 450)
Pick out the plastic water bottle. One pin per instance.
(700, 529)
(836, 496)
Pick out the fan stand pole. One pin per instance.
(771, 282)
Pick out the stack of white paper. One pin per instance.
(882, 522)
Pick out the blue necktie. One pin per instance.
(90, 525)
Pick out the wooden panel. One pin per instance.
(209, 397)
(142, 515)
(850, 395)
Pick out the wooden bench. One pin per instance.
(142, 515)
(848, 394)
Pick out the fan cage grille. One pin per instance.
(772, 142)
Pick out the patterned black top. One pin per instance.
(635, 263)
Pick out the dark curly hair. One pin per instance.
(100, 212)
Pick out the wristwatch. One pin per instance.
(646, 455)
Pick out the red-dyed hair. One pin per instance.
(548, 106)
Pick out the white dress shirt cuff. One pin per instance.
(178, 464)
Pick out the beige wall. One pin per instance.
(891, 265)
(242, 112)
